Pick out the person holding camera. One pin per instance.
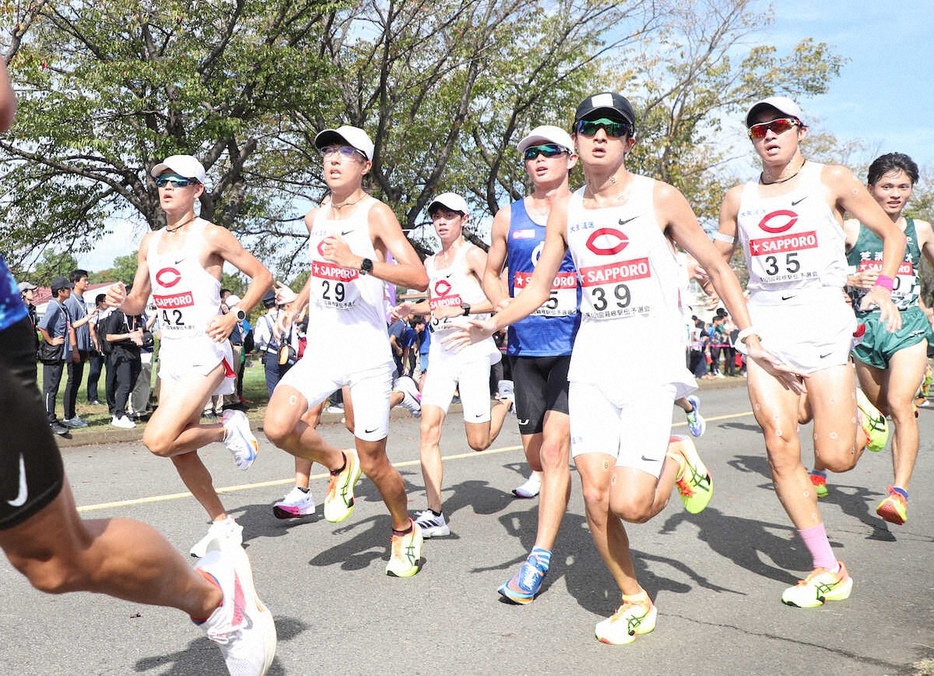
(125, 333)
(280, 352)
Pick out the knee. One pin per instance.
(157, 443)
(51, 575)
(277, 430)
(479, 442)
(554, 456)
(631, 509)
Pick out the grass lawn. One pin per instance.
(254, 391)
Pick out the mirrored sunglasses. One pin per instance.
(779, 126)
(613, 128)
(175, 180)
(547, 150)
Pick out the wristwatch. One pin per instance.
(466, 307)
(241, 315)
(366, 267)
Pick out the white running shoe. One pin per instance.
(122, 422)
(431, 525)
(411, 398)
(531, 487)
(296, 503)
(227, 530)
(239, 439)
(506, 390)
(242, 625)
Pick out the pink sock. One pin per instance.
(815, 539)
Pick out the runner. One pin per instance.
(790, 225)
(539, 346)
(351, 236)
(889, 366)
(617, 229)
(181, 265)
(454, 293)
(46, 540)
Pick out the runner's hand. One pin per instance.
(116, 294)
(473, 332)
(784, 374)
(888, 313)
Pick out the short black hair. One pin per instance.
(77, 274)
(892, 162)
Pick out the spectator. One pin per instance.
(97, 358)
(269, 343)
(139, 397)
(56, 331)
(125, 333)
(27, 291)
(79, 317)
(396, 342)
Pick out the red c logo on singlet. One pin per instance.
(611, 235)
(442, 288)
(321, 248)
(780, 214)
(168, 277)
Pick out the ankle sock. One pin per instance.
(900, 491)
(342, 467)
(408, 530)
(303, 490)
(815, 539)
(542, 556)
(818, 472)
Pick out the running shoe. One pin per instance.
(227, 530)
(405, 557)
(820, 586)
(242, 625)
(432, 525)
(339, 502)
(894, 508)
(531, 487)
(633, 617)
(695, 483)
(411, 398)
(696, 422)
(296, 503)
(238, 438)
(525, 584)
(819, 481)
(74, 423)
(873, 423)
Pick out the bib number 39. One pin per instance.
(620, 297)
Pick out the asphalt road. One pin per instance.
(716, 577)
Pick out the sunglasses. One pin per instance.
(547, 150)
(343, 151)
(176, 181)
(779, 126)
(613, 128)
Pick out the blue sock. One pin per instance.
(818, 472)
(542, 556)
(900, 491)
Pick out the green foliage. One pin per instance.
(50, 266)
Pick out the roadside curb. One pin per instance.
(106, 434)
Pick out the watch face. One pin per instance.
(241, 315)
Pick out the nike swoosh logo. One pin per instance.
(370, 431)
(478, 415)
(179, 261)
(624, 221)
(344, 233)
(23, 489)
(795, 203)
(784, 297)
(824, 356)
(645, 459)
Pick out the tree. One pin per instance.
(52, 265)
(108, 89)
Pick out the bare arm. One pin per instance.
(493, 285)
(852, 197)
(7, 98)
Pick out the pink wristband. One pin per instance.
(885, 282)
